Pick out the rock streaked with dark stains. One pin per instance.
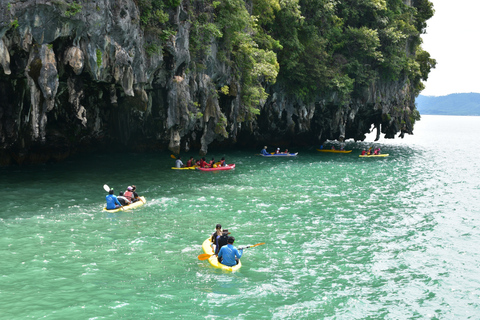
(85, 82)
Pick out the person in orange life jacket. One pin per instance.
(286, 151)
(229, 255)
(123, 201)
(190, 162)
(129, 194)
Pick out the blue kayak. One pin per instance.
(280, 155)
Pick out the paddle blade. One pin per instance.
(173, 157)
(258, 244)
(106, 188)
(204, 256)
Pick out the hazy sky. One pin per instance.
(453, 39)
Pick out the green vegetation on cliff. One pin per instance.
(312, 46)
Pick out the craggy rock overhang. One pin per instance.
(82, 82)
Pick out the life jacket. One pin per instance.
(221, 241)
(128, 195)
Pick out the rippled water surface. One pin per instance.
(346, 237)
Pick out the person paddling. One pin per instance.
(112, 201)
(264, 151)
(229, 255)
(179, 163)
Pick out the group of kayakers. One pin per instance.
(264, 151)
(371, 151)
(222, 246)
(123, 199)
(202, 163)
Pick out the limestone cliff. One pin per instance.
(85, 75)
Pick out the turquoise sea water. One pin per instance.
(346, 238)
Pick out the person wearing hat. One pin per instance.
(229, 255)
(129, 194)
(112, 201)
(278, 150)
(264, 151)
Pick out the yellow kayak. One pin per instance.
(207, 248)
(131, 206)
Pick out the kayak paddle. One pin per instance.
(205, 256)
(106, 188)
(173, 157)
(258, 244)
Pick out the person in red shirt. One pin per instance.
(190, 162)
(211, 163)
(203, 163)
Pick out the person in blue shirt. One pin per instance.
(112, 201)
(264, 150)
(229, 255)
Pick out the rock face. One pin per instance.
(77, 76)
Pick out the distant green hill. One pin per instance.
(456, 104)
